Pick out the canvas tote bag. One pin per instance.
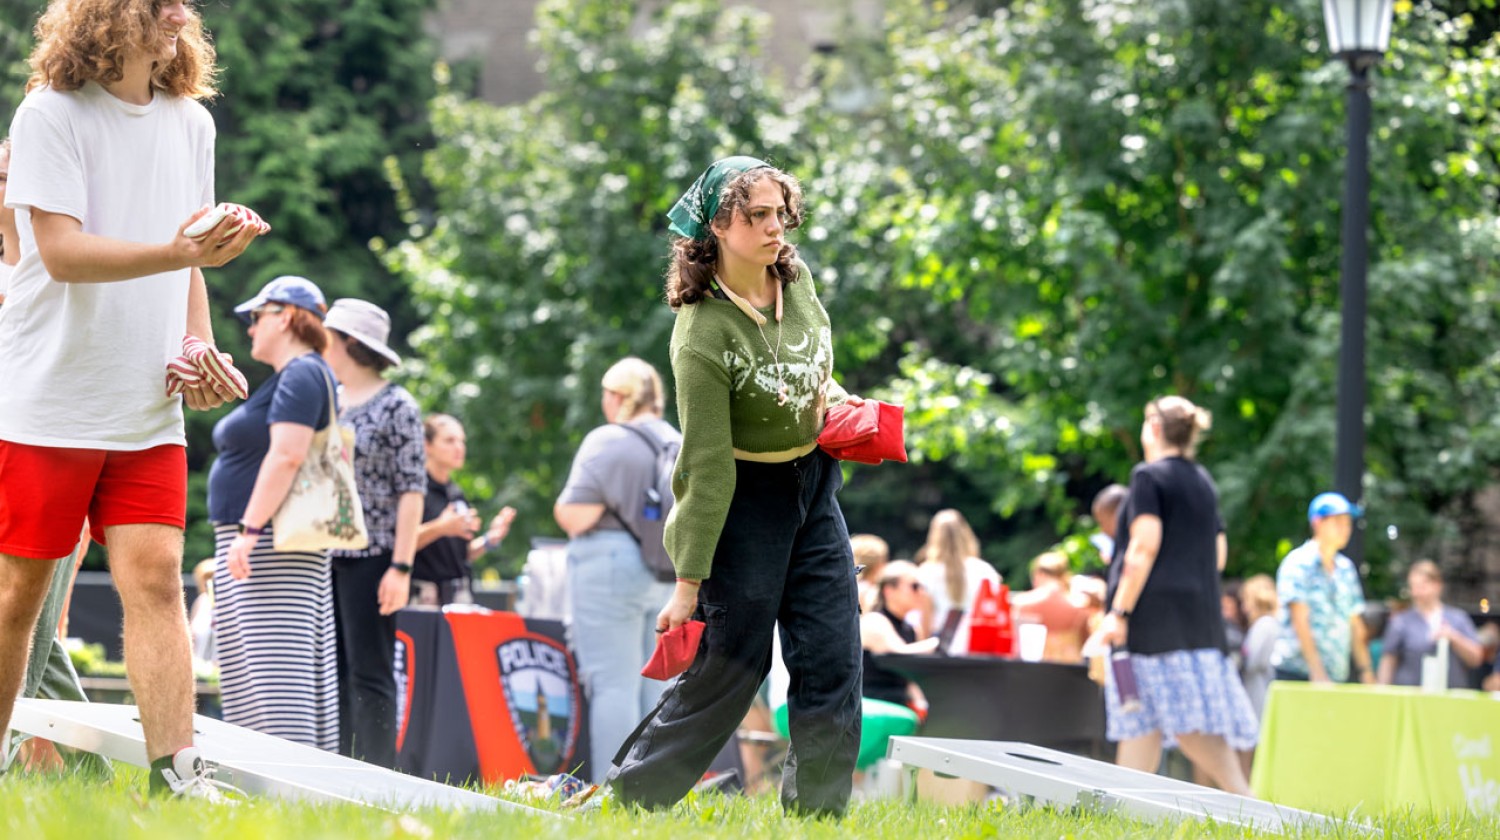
(322, 509)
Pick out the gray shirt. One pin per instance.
(1408, 638)
(613, 468)
(1259, 645)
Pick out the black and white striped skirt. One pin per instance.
(278, 656)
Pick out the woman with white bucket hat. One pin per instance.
(371, 584)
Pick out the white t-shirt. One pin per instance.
(82, 365)
(934, 578)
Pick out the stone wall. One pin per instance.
(496, 32)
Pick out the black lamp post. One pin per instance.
(1359, 31)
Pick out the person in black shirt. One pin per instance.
(1164, 609)
(446, 542)
(883, 629)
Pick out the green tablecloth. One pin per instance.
(1335, 748)
(879, 722)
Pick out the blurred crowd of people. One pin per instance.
(304, 639)
(102, 271)
(1203, 651)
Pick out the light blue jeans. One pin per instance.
(614, 601)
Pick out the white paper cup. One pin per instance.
(1032, 639)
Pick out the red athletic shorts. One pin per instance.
(46, 491)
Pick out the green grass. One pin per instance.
(81, 808)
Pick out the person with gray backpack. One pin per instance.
(614, 509)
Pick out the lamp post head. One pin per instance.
(1359, 31)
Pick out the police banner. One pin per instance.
(486, 696)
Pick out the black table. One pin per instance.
(989, 698)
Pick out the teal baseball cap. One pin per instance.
(1332, 504)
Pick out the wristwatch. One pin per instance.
(251, 530)
(403, 568)
(1116, 611)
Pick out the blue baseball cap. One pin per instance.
(1332, 504)
(297, 291)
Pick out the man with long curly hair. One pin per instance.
(114, 158)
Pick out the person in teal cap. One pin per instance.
(1322, 601)
(756, 534)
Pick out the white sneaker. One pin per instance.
(191, 777)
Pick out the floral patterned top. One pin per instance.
(1331, 599)
(389, 460)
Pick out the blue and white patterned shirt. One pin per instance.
(1331, 599)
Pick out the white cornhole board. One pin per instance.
(1070, 781)
(258, 764)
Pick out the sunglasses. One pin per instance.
(255, 314)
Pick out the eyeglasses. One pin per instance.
(256, 314)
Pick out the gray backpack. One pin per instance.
(647, 520)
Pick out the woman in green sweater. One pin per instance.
(756, 533)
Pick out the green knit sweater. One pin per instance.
(727, 387)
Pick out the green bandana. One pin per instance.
(697, 207)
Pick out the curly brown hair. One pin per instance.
(81, 41)
(695, 260)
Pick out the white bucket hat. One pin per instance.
(364, 322)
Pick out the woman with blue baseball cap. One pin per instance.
(273, 610)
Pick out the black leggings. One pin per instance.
(367, 645)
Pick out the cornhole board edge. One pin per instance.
(1062, 780)
(251, 761)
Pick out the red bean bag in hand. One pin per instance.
(869, 433)
(675, 651)
(199, 363)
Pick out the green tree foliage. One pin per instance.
(545, 263)
(1049, 214)
(316, 96)
(15, 44)
(1118, 200)
(1045, 214)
